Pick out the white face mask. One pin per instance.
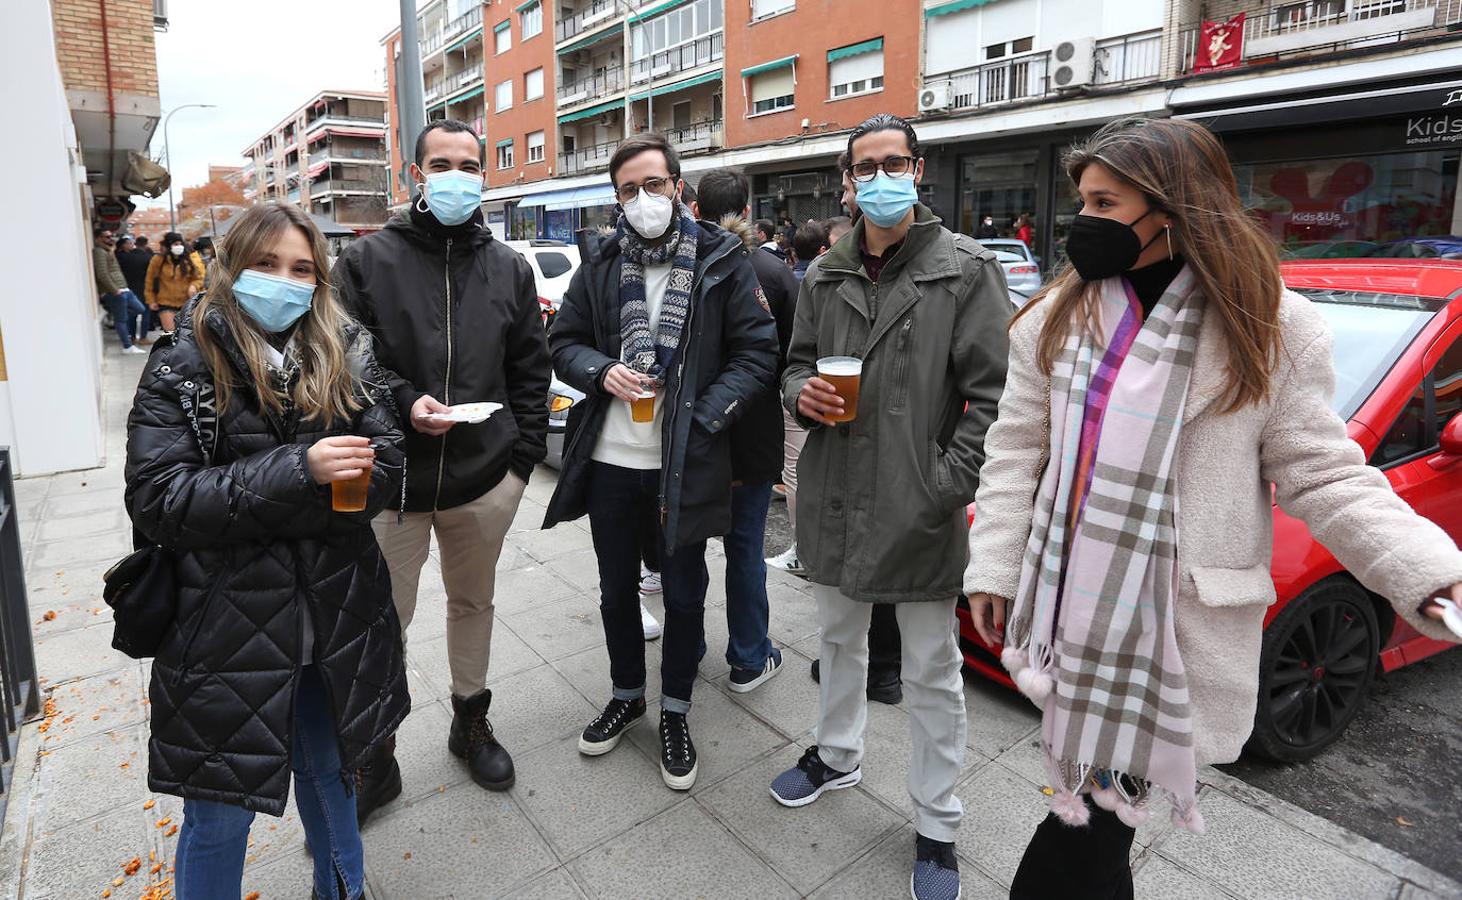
(176, 249)
(649, 214)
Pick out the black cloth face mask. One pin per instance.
(1102, 248)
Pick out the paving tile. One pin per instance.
(788, 702)
(1026, 759)
(427, 766)
(83, 859)
(288, 877)
(78, 653)
(112, 545)
(85, 777)
(1001, 812)
(464, 842)
(1259, 857)
(93, 705)
(610, 794)
(537, 707)
(726, 737)
(887, 752)
(29, 490)
(541, 485)
(528, 516)
(75, 599)
(91, 503)
(509, 657)
(805, 846)
(579, 568)
(107, 480)
(551, 544)
(713, 665)
(999, 717)
(885, 872)
(793, 614)
(556, 885)
(83, 528)
(530, 587)
(560, 629)
(588, 672)
(1159, 879)
(707, 862)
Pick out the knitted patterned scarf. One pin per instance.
(646, 353)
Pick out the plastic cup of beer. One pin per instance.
(845, 374)
(642, 407)
(350, 495)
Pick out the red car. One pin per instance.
(1398, 364)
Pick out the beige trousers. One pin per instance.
(470, 540)
(793, 438)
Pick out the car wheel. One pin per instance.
(1319, 656)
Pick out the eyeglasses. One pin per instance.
(630, 191)
(894, 166)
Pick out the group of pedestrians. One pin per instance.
(284, 386)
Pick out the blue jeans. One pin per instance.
(747, 614)
(215, 836)
(620, 500)
(129, 316)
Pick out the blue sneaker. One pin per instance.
(936, 871)
(803, 784)
(743, 680)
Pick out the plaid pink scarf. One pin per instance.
(1091, 636)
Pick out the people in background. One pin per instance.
(285, 656)
(173, 276)
(756, 449)
(664, 330)
(884, 496)
(837, 226)
(810, 242)
(986, 228)
(1024, 232)
(129, 316)
(134, 256)
(455, 317)
(766, 233)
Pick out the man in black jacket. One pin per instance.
(664, 329)
(756, 449)
(456, 319)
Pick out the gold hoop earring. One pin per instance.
(1168, 230)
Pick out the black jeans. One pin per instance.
(885, 647)
(1087, 863)
(620, 501)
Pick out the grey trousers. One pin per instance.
(932, 684)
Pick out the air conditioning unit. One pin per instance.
(1071, 63)
(934, 97)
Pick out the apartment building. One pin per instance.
(329, 157)
(521, 140)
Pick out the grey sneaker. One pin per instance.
(805, 782)
(936, 871)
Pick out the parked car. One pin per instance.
(1022, 270)
(1445, 247)
(554, 264)
(1398, 364)
(561, 401)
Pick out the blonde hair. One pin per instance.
(1182, 170)
(325, 390)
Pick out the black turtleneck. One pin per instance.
(1150, 281)
(427, 222)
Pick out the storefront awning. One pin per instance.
(956, 6)
(316, 169)
(571, 198)
(1286, 114)
(467, 96)
(678, 86)
(344, 132)
(592, 111)
(593, 39)
(768, 66)
(855, 49)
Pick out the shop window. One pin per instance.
(505, 155)
(531, 20)
(771, 91)
(503, 97)
(535, 147)
(533, 85)
(760, 9)
(853, 75)
(1417, 430)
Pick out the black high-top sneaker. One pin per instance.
(472, 739)
(677, 753)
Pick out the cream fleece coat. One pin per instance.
(1226, 463)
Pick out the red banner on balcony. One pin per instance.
(1220, 45)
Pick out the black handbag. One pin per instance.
(142, 588)
(142, 591)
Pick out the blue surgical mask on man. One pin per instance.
(886, 199)
(453, 196)
(274, 302)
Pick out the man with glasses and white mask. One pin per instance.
(883, 496)
(665, 330)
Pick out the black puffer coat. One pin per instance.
(258, 549)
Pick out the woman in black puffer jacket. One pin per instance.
(286, 651)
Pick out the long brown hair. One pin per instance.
(1182, 170)
(325, 389)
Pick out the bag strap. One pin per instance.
(200, 403)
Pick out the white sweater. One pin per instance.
(623, 441)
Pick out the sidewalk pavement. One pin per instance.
(575, 827)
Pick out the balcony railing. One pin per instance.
(596, 13)
(1007, 81)
(454, 83)
(696, 136)
(362, 154)
(700, 52)
(321, 121)
(336, 185)
(600, 84)
(432, 43)
(1333, 25)
(434, 90)
(1132, 57)
(470, 19)
(586, 159)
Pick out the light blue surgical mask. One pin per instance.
(275, 303)
(885, 200)
(453, 196)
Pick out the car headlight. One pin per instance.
(559, 403)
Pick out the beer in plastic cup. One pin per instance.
(845, 374)
(642, 408)
(350, 495)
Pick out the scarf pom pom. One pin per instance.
(1070, 809)
(1033, 683)
(1132, 816)
(1014, 659)
(1190, 821)
(1107, 798)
